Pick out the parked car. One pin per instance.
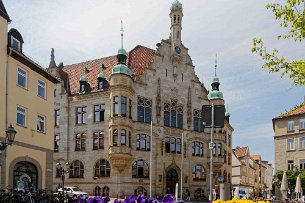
(73, 191)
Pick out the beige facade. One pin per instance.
(252, 175)
(106, 155)
(27, 102)
(289, 140)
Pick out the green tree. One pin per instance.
(291, 16)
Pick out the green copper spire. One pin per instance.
(176, 6)
(121, 67)
(215, 93)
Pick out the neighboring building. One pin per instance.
(26, 102)
(104, 108)
(250, 173)
(289, 139)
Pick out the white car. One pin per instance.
(73, 191)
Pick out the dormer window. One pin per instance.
(82, 87)
(100, 85)
(15, 43)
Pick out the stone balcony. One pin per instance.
(218, 161)
(120, 156)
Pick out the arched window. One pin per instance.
(144, 109)
(25, 176)
(172, 145)
(98, 140)
(199, 194)
(97, 191)
(80, 142)
(115, 136)
(178, 20)
(140, 190)
(140, 169)
(76, 169)
(197, 149)
(180, 117)
(225, 178)
(197, 121)
(199, 173)
(174, 18)
(106, 191)
(143, 142)
(102, 168)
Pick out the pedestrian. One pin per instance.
(188, 195)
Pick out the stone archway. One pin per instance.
(172, 178)
(29, 163)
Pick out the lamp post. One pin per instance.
(62, 171)
(9, 138)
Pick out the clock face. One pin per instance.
(178, 50)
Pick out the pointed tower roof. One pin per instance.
(121, 67)
(176, 6)
(3, 12)
(52, 63)
(215, 93)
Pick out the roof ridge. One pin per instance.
(292, 109)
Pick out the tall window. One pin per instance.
(81, 115)
(99, 112)
(214, 149)
(140, 169)
(102, 168)
(41, 126)
(225, 156)
(115, 106)
(130, 108)
(225, 136)
(229, 140)
(115, 135)
(56, 117)
(97, 191)
(197, 149)
(98, 140)
(106, 191)
(76, 169)
(302, 124)
(123, 137)
(41, 91)
(219, 149)
(173, 115)
(197, 121)
(143, 142)
(22, 78)
(56, 139)
(302, 164)
(290, 164)
(21, 116)
(290, 142)
(302, 142)
(173, 145)
(144, 109)
(199, 173)
(123, 106)
(80, 142)
(290, 126)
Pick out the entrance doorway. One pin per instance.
(25, 176)
(171, 179)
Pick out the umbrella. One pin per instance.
(298, 187)
(284, 185)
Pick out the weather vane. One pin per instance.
(215, 64)
(122, 31)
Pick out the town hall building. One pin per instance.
(111, 113)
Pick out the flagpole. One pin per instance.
(181, 190)
(150, 168)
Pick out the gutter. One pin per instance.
(6, 87)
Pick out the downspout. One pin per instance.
(6, 87)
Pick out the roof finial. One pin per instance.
(52, 63)
(122, 31)
(215, 65)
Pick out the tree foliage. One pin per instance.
(291, 178)
(291, 16)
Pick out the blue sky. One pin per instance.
(85, 30)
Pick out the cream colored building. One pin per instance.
(26, 102)
(104, 108)
(289, 139)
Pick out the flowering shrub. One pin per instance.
(169, 198)
(234, 200)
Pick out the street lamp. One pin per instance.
(62, 171)
(9, 138)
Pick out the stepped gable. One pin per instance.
(138, 60)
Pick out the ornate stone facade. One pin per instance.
(162, 78)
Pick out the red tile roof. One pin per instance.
(139, 59)
(241, 151)
(256, 157)
(293, 112)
